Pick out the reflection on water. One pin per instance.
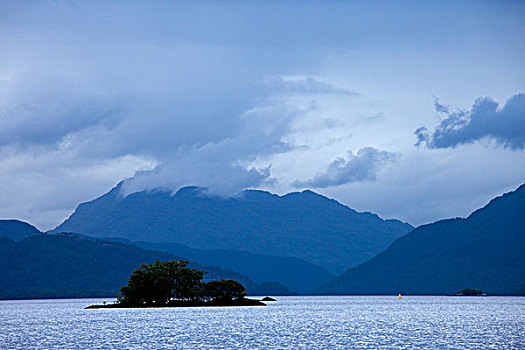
(351, 322)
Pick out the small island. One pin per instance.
(268, 299)
(469, 292)
(174, 284)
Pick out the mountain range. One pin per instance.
(303, 225)
(294, 273)
(485, 251)
(69, 265)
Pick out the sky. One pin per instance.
(411, 110)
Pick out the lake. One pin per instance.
(329, 322)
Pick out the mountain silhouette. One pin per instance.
(69, 265)
(485, 251)
(16, 229)
(294, 273)
(303, 225)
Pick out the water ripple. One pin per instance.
(352, 322)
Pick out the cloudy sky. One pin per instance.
(407, 109)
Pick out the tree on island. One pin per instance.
(224, 290)
(169, 282)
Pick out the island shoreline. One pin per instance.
(181, 303)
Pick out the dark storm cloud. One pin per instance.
(505, 125)
(362, 166)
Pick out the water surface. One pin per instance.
(349, 322)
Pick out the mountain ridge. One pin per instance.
(485, 250)
(67, 265)
(294, 273)
(304, 225)
(17, 229)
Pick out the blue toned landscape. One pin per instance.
(350, 322)
(262, 174)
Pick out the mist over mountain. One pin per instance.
(484, 251)
(69, 265)
(304, 224)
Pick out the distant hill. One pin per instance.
(297, 274)
(303, 225)
(16, 230)
(484, 251)
(68, 265)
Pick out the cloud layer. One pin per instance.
(362, 166)
(505, 125)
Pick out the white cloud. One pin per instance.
(362, 166)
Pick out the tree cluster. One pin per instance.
(164, 283)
